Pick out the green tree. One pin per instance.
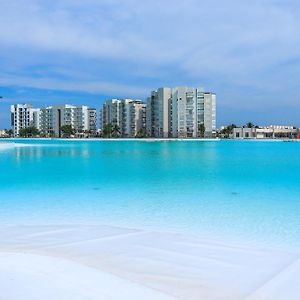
(107, 130)
(250, 125)
(228, 130)
(89, 133)
(201, 129)
(51, 133)
(116, 132)
(9, 132)
(141, 133)
(67, 131)
(29, 132)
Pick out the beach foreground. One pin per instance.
(103, 262)
(5, 145)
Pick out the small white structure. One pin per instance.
(266, 132)
(3, 133)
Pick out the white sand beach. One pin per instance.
(6, 145)
(102, 262)
(11, 145)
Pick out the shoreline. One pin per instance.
(111, 139)
(147, 140)
(151, 264)
(7, 145)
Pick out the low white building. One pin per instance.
(3, 134)
(266, 132)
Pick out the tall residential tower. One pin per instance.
(159, 113)
(181, 112)
(127, 115)
(24, 116)
(81, 118)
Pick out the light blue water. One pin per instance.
(237, 189)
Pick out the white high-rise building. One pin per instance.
(159, 113)
(193, 112)
(184, 108)
(81, 118)
(132, 118)
(111, 113)
(128, 115)
(24, 116)
(181, 112)
(210, 114)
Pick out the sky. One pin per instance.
(83, 52)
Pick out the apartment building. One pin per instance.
(182, 112)
(128, 115)
(132, 118)
(159, 113)
(81, 118)
(210, 113)
(110, 113)
(24, 116)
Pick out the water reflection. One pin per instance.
(42, 151)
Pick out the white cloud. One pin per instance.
(232, 41)
(94, 87)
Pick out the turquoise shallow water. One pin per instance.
(237, 189)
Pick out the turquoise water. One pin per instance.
(237, 189)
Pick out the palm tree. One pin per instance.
(9, 132)
(141, 133)
(51, 133)
(67, 130)
(201, 129)
(228, 130)
(29, 132)
(88, 133)
(249, 125)
(116, 131)
(107, 130)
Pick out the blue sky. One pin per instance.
(82, 52)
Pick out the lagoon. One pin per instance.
(228, 193)
(241, 189)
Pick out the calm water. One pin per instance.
(239, 189)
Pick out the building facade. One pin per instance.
(127, 115)
(210, 114)
(182, 112)
(24, 116)
(110, 113)
(159, 113)
(266, 132)
(82, 119)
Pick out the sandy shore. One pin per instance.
(10, 145)
(30, 276)
(6, 145)
(102, 262)
(119, 139)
